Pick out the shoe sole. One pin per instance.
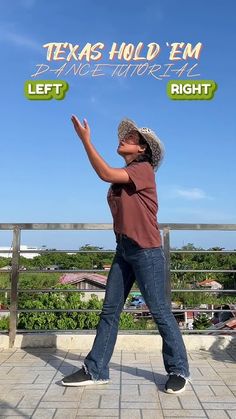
(173, 391)
(85, 383)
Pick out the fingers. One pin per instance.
(76, 121)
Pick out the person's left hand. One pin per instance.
(82, 131)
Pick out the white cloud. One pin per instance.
(20, 40)
(9, 34)
(198, 215)
(192, 194)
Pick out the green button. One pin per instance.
(45, 89)
(191, 89)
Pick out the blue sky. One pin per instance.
(45, 171)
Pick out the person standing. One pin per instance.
(139, 256)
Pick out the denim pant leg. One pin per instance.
(149, 269)
(119, 283)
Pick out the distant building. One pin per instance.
(5, 268)
(107, 267)
(188, 319)
(210, 283)
(22, 248)
(52, 268)
(87, 281)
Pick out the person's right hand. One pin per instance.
(82, 131)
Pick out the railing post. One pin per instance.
(166, 247)
(14, 285)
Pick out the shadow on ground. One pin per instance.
(220, 352)
(67, 362)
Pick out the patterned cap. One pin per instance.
(155, 144)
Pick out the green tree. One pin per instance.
(201, 321)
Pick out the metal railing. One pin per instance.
(165, 228)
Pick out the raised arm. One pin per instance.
(104, 171)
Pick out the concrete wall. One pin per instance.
(129, 342)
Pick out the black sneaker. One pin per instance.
(81, 378)
(175, 384)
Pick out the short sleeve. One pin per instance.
(141, 174)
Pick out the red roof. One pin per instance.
(231, 323)
(208, 281)
(79, 277)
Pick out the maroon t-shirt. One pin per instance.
(134, 205)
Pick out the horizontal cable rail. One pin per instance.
(109, 226)
(81, 310)
(109, 251)
(38, 290)
(34, 271)
(16, 271)
(126, 331)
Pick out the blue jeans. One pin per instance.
(147, 267)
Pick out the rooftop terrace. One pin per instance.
(30, 386)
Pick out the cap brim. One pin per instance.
(126, 126)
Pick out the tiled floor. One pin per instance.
(30, 386)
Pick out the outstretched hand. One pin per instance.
(83, 131)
